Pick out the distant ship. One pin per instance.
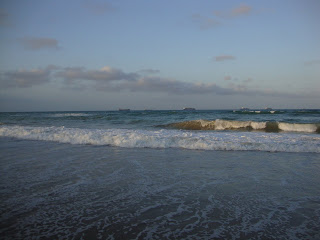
(245, 109)
(267, 108)
(189, 109)
(124, 109)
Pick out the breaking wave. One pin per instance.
(202, 140)
(258, 112)
(69, 115)
(246, 125)
(291, 112)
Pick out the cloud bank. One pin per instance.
(104, 74)
(26, 78)
(113, 79)
(171, 86)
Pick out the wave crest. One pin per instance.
(220, 124)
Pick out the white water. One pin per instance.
(221, 124)
(256, 141)
(69, 115)
(297, 127)
(225, 124)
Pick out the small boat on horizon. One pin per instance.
(188, 109)
(124, 109)
(244, 109)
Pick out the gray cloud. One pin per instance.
(170, 86)
(105, 74)
(112, 79)
(204, 22)
(3, 17)
(227, 78)
(26, 78)
(240, 88)
(34, 43)
(312, 62)
(242, 10)
(248, 80)
(149, 71)
(98, 8)
(224, 58)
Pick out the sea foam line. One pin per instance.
(243, 141)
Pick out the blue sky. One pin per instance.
(105, 55)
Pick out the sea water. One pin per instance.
(160, 175)
(261, 130)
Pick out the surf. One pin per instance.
(164, 138)
(220, 124)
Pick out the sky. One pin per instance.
(103, 55)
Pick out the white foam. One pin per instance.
(258, 141)
(258, 125)
(297, 127)
(226, 124)
(69, 115)
(205, 123)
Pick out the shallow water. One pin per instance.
(57, 190)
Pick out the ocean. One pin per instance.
(160, 174)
